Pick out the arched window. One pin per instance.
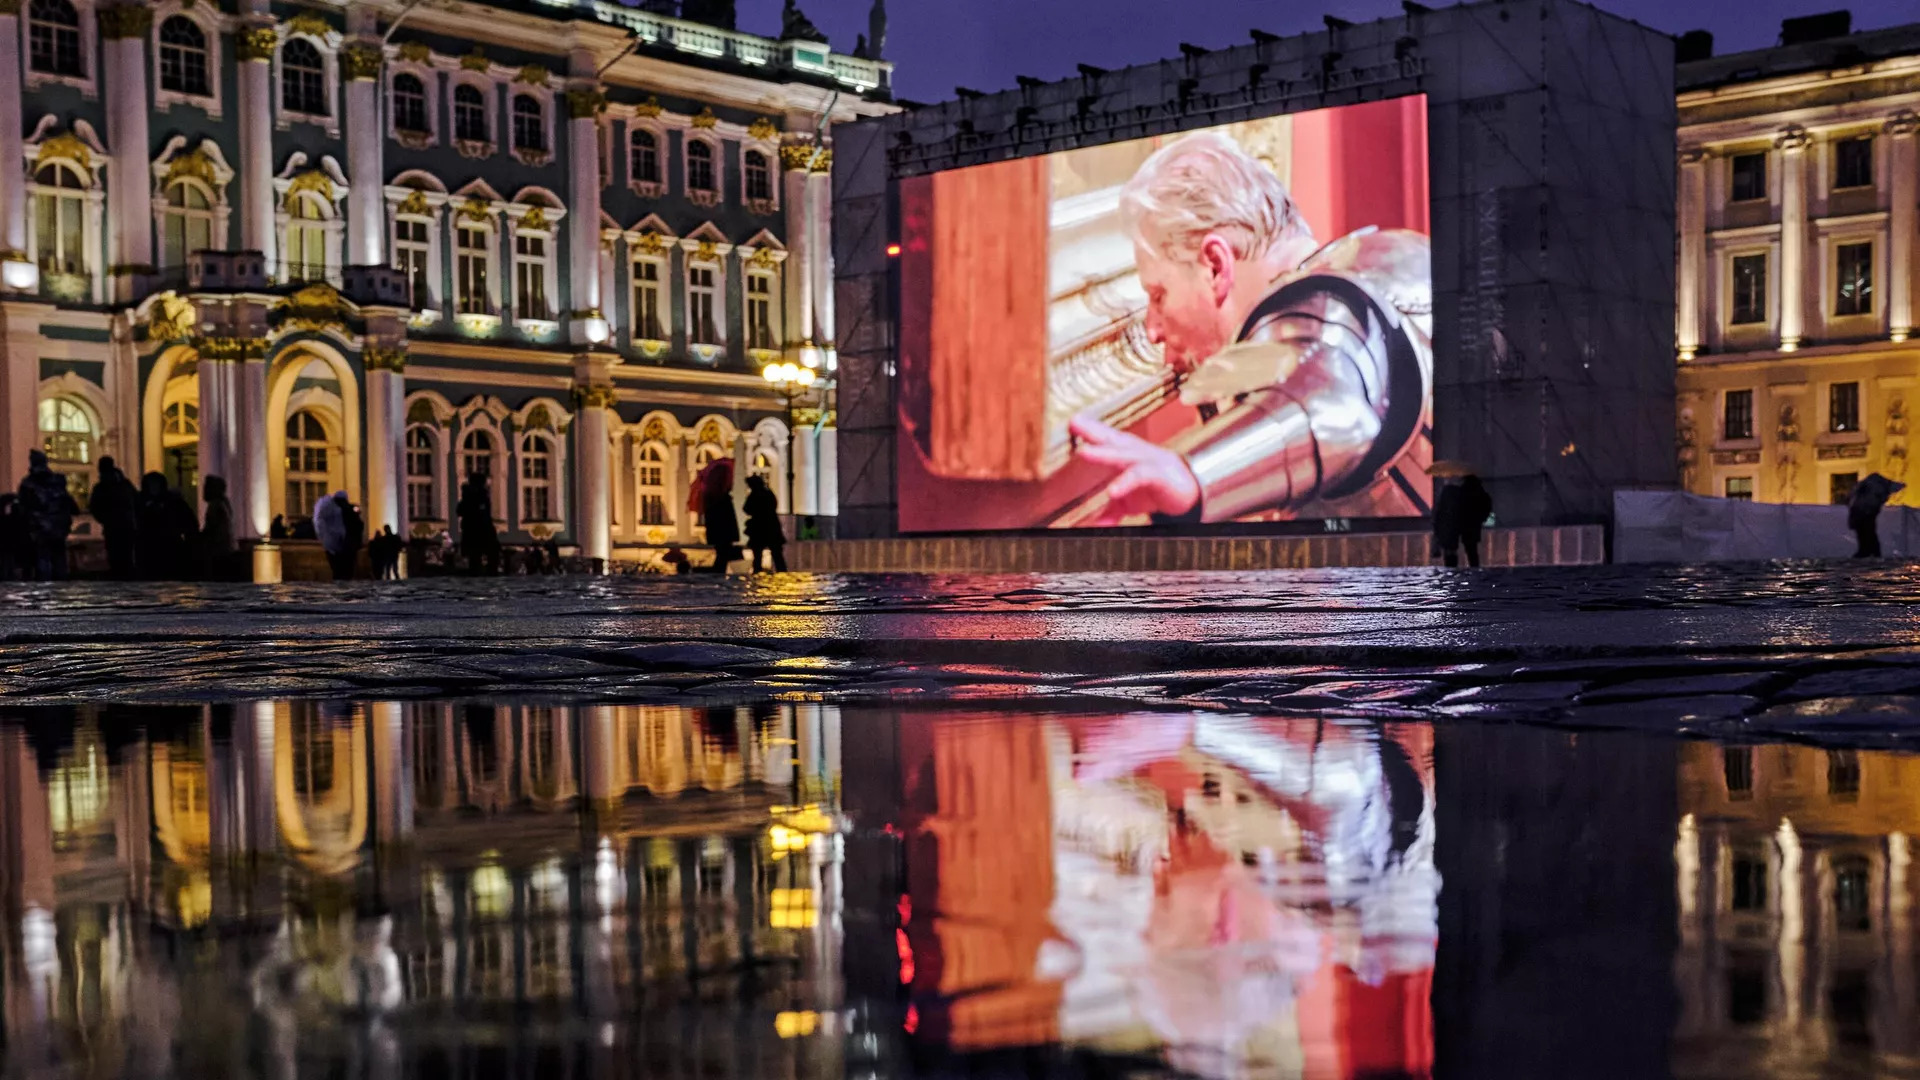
(763, 464)
(187, 223)
(536, 478)
(652, 484)
(183, 57)
(529, 124)
(699, 165)
(67, 436)
(476, 454)
(645, 161)
(303, 78)
(423, 496)
(306, 239)
(706, 454)
(308, 461)
(409, 103)
(180, 443)
(59, 219)
(759, 177)
(469, 114)
(53, 38)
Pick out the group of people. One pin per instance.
(712, 499)
(342, 531)
(151, 532)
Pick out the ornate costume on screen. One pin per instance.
(1326, 387)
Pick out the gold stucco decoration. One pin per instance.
(650, 108)
(476, 61)
(171, 318)
(309, 24)
(532, 75)
(384, 358)
(65, 146)
(415, 52)
(762, 129)
(361, 60)
(415, 203)
(255, 43)
(477, 210)
(705, 119)
(317, 307)
(312, 180)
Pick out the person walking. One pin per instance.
(16, 547)
(112, 505)
(1459, 514)
(479, 543)
(1869, 497)
(49, 508)
(763, 524)
(383, 551)
(713, 500)
(216, 534)
(330, 528)
(167, 526)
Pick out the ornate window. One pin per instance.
(703, 306)
(308, 462)
(53, 38)
(68, 437)
(469, 114)
(410, 104)
(700, 166)
(180, 442)
(648, 302)
(306, 239)
(187, 223)
(476, 455)
(423, 495)
(530, 265)
(303, 78)
(645, 160)
(529, 125)
(651, 483)
(411, 248)
(60, 220)
(470, 269)
(759, 177)
(760, 333)
(536, 478)
(183, 57)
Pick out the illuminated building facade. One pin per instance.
(1799, 185)
(381, 248)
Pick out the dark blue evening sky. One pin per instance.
(983, 44)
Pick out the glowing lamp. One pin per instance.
(804, 376)
(596, 329)
(893, 251)
(771, 372)
(19, 275)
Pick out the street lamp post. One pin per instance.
(791, 381)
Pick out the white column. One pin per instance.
(1693, 252)
(806, 471)
(13, 166)
(126, 29)
(216, 414)
(253, 47)
(366, 230)
(599, 756)
(19, 385)
(828, 455)
(1900, 222)
(820, 221)
(798, 269)
(594, 399)
(386, 435)
(1793, 237)
(392, 772)
(682, 488)
(253, 504)
(586, 321)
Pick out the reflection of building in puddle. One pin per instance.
(1796, 912)
(291, 882)
(1248, 898)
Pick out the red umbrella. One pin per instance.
(717, 476)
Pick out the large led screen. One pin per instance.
(1225, 325)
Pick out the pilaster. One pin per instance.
(820, 192)
(253, 48)
(1905, 191)
(796, 159)
(1693, 252)
(17, 270)
(19, 384)
(360, 62)
(386, 435)
(125, 29)
(1792, 145)
(586, 322)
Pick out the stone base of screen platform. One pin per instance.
(1567, 545)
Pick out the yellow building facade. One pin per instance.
(1798, 184)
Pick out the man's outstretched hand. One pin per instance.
(1151, 479)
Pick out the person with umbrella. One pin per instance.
(712, 499)
(1863, 512)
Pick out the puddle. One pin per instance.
(485, 889)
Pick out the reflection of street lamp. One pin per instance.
(791, 380)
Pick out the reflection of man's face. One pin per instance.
(1184, 308)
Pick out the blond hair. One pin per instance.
(1206, 183)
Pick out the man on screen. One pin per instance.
(1310, 366)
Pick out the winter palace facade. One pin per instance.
(382, 247)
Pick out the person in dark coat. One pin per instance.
(167, 527)
(343, 553)
(278, 530)
(216, 534)
(713, 498)
(1869, 497)
(49, 507)
(112, 505)
(16, 547)
(763, 524)
(1458, 516)
(383, 551)
(478, 540)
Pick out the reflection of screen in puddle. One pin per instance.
(1241, 893)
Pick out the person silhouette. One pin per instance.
(112, 505)
(167, 525)
(763, 524)
(216, 535)
(49, 508)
